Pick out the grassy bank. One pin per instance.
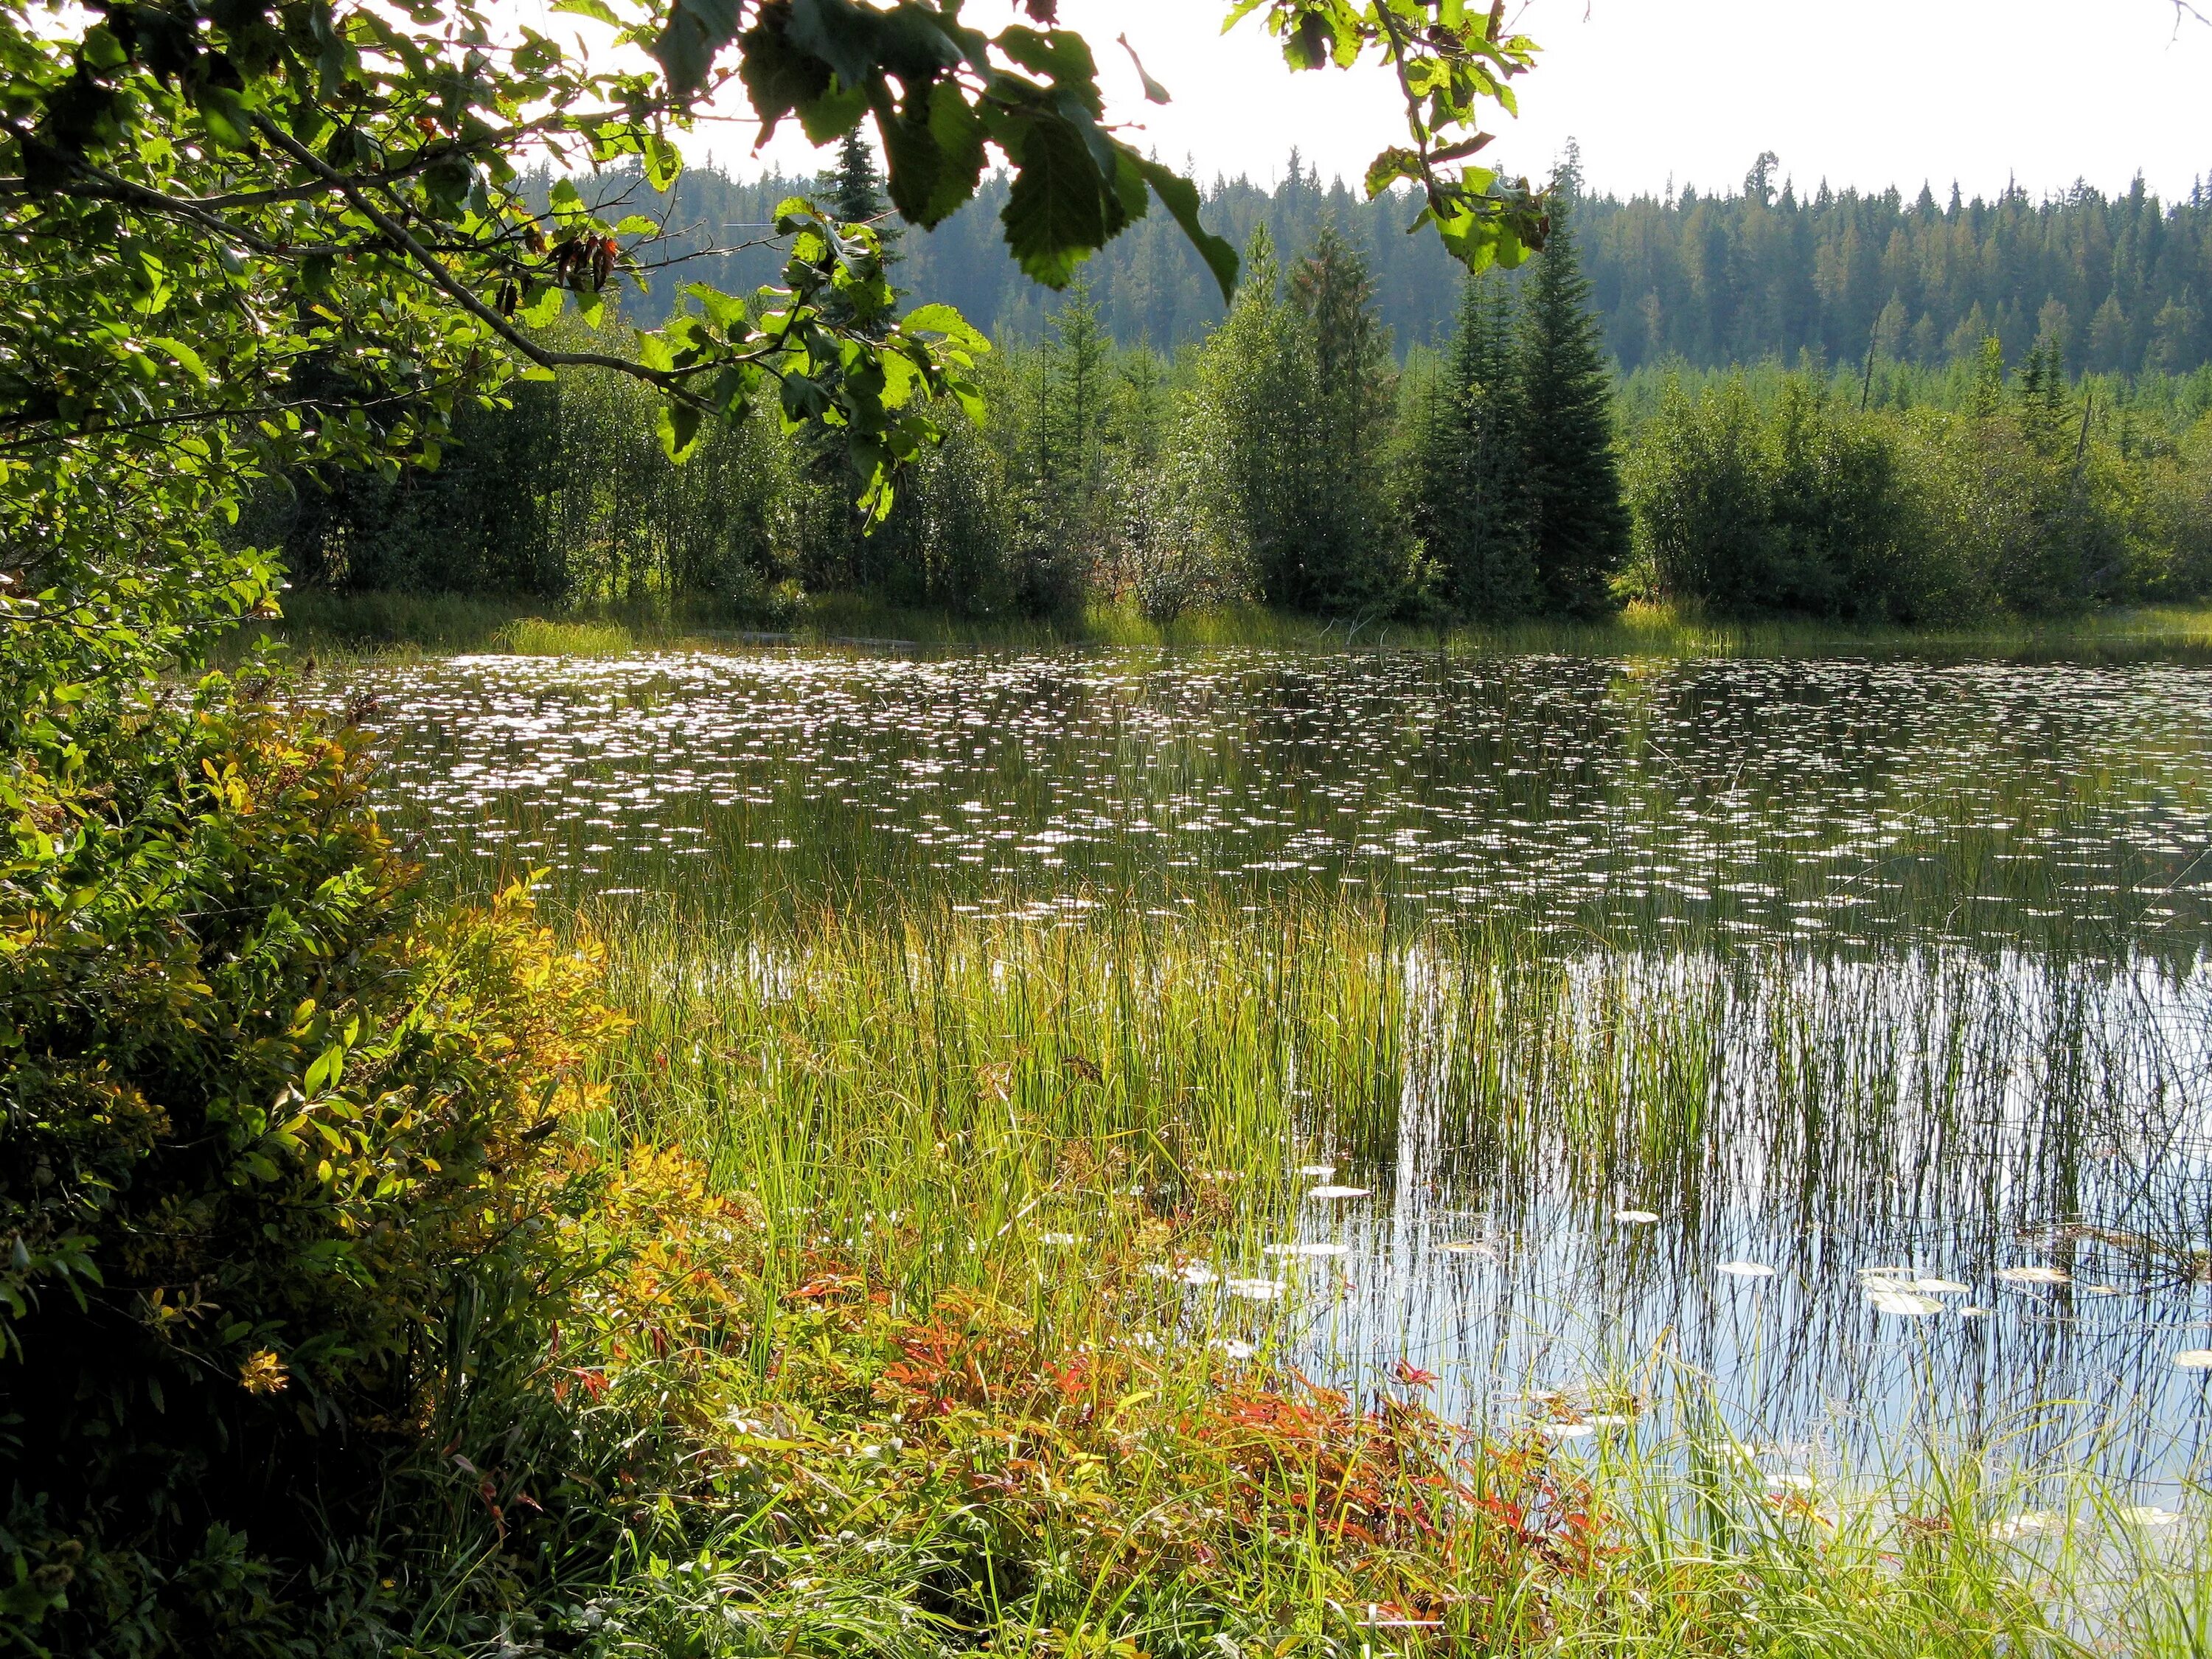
(990, 1339)
(331, 625)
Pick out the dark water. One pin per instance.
(1830, 966)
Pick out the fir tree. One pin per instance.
(1578, 523)
(1467, 501)
(1081, 358)
(1345, 561)
(853, 190)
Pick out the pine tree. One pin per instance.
(1467, 503)
(1577, 524)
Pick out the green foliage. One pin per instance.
(1799, 501)
(1467, 496)
(280, 1168)
(1291, 402)
(1571, 505)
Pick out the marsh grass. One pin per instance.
(535, 636)
(992, 1392)
(343, 625)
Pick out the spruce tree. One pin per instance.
(1346, 562)
(1468, 502)
(853, 190)
(1576, 523)
(1081, 358)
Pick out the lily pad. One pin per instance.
(2034, 1276)
(2149, 1515)
(1255, 1289)
(1325, 1194)
(1910, 1304)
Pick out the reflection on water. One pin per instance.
(1845, 1187)
(1841, 801)
(1882, 976)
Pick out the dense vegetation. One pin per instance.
(1289, 459)
(1709, 277)
(348, 1302)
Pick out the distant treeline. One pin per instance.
(2122, 283)
(1288, 457)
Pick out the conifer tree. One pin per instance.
(1466, 499)
(1345, 561)
(1577, 524)
(1079, 356)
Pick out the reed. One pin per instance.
(332, 625)
(1028, 1151)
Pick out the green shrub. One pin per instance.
(281, 1178)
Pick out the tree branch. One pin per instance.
(457, 291)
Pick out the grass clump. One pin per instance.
(535, 636)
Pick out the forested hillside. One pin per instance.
(2124, 283)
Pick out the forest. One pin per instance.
(1710, 278)
(1284, 1145)
(1300, 454)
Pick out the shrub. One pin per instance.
(280, 1174)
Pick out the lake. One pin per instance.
(1835, 1031)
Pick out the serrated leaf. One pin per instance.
(1055, 214)
(1393, 164)
(597, 10)
(842, 34)
(940, 319)
(638, 224)
(779, 78)
(958, 127)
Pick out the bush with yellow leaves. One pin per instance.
(282, 1174)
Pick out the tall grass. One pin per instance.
(343, 625)
(1015, 1135)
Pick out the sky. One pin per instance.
(1867, 92)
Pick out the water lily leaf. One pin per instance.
(1907, 1303)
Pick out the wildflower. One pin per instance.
(262, 1373)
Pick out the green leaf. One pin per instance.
(1180, 197)
(695, 31)
(842, 34)
(940, 319)
(1054, 213)
(597, 10)
(638, 224)
(1393, 164)
(779, 78)
(957, 128)
(679, 426)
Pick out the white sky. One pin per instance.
(1864, 92)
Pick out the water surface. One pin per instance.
(1885, 976)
